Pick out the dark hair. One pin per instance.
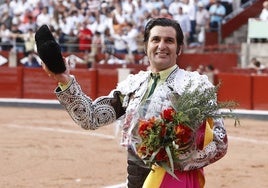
(257, 63)
(166, 22)
(210, 67)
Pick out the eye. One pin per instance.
(170, 40)
(155, 39)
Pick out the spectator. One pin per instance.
(6, 40)
(167, 2)
(200, 69)
(130, 36)
(95, 48)
(93, 5)
(118, 14)
(37, 9)
(165, 14)
(29, 41)
(256, 65)
(264, 13)
(155, 13)
(228, 4)
(202, 22)
(17, 7)
(206, 3)
(149, 4)
(139, 11)
(43, 17)
(62, 38)
(99, 25)
(27, 21)
(185, 24)
(60, 9)
(68, 15)
(108, 42)
(31, 60)
(190, 9)
(71, 41)
(6, 18)
(128, 9)
(173, 8)
(120, 45)
(73, 19)
(115, 26)
(17, 35)
(210, 71)
(217, 11)
(65, 26)
(85, 36)
(159, 4)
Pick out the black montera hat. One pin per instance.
(49, 50)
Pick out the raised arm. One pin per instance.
(83, 110)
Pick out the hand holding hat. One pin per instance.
(49, 50)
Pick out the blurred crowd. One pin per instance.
(105, 26)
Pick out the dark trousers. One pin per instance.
(193, 31)
(136, 172)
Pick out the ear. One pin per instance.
(145, 49)
(179, 50)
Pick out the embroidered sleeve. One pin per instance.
(87, 113)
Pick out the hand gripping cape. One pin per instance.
(49, 50)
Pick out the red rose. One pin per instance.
(143, 125)
(163, 129)
(142, 149)
(161, 155)
(168, 114)
(183, 133)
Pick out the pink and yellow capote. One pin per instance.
(158, 177)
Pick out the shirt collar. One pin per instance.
(165, 73)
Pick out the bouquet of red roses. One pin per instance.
(165, 137)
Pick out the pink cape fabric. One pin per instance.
(159, 178)
(189, 179)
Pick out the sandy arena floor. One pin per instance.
(43, 148)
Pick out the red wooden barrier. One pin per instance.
(10, 82)
(107, 80)
(260, 92)
(37, 84)
(87, 79)
(249, 90)
(237, 70)
(223, 62)
(236, 87)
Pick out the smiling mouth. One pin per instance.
(161, 53)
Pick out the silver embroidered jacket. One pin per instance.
(126, 102)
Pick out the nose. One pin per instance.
(161, 45)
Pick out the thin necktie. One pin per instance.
(155, 78)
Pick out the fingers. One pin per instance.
(67, 65)
(63, 78)
(49, 73)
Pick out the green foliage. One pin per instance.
(193, 107)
